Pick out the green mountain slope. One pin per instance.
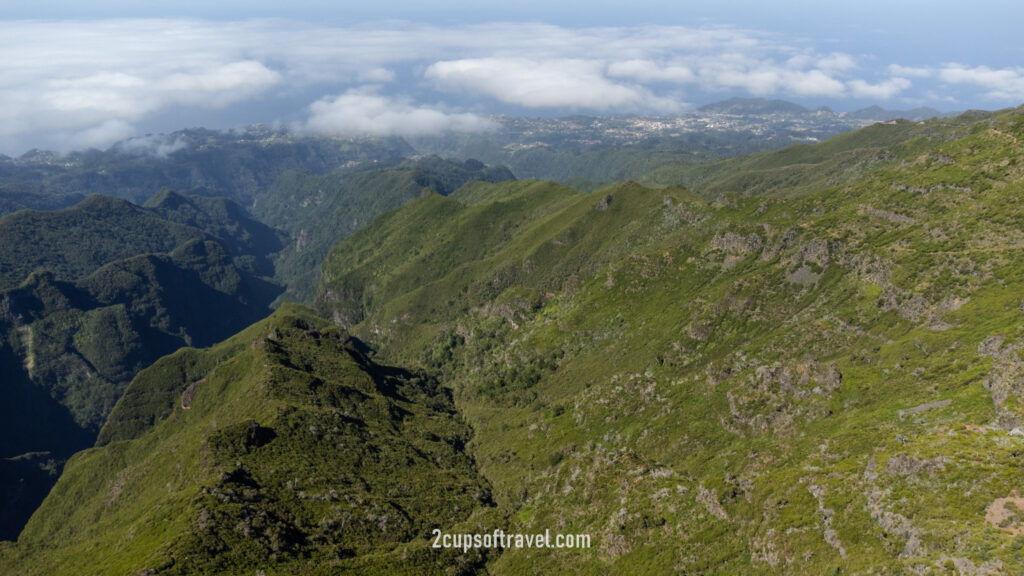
(284, 449)
(108, 288)
(808, 167)
(813, 373)
(822, 378)
(318, 211)
(97, 291)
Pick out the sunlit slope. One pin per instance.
(804, 168)
(816, 378)
(320, 210)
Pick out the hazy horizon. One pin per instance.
(77, 76)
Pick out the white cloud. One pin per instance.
(836, 62)
(159, 145)
(1002, 84)
(101, 134)
(560, 83)
(377, 75)
(765, 78)
(881, 91)
(811, 83)
(363, 112)
(88, 84)
(648, 71)
(910, 71)
(74, 82)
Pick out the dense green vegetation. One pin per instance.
(320, 210)
(92, 294)
(284, 449)
(821, 377)
(98, 291)
(804, 362)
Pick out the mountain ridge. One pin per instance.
(805, 362)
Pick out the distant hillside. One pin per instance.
(235, 164)
(76, 241)
(244, 164)
(318, 211)
(879, 114)
(741, 106)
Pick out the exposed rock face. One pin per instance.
(803, 276)
(699, 331)
(710, 501)
(816, 251)
(1005, 381)
(886, 215)
(896, 524)
(904, 465)
(924, 407)
(829, 533)
(965, 567)
(303, 240)
(738, 244)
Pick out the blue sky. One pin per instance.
(76, 74)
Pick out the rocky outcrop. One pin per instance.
(737, 244)
(710, 501)
(904, 465)
(1005, 381)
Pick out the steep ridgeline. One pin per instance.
(283, 450)
(320, 210)
(824, 377)
(237, 164)
(90, 295)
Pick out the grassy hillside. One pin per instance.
(320, 210)
(819, 378)
(284, 449)
(806, 168)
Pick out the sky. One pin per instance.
(87, 74)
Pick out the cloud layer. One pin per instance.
(555, 83)
(363, 112)
(88, 83)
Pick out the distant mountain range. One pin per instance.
(243, 164)
(764, 107)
